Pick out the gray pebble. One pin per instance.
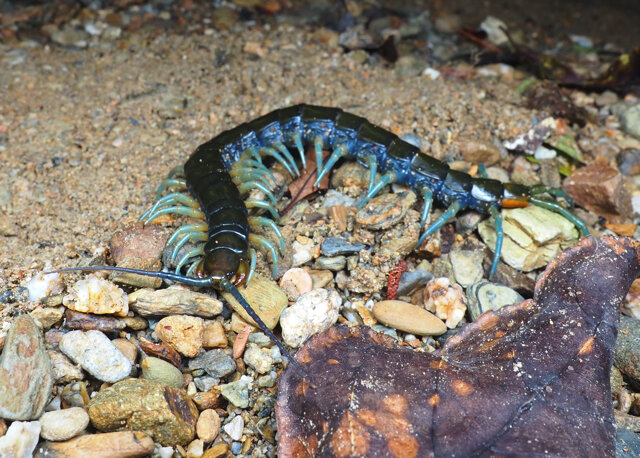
(409, 281)
(216, 363)
(237, 393)
(258, 358)
(627, 352)
(260, 339)
(205, 383)
(630, 120)
(333, 198)
(333, 246)
(236, 448)
(268, 380)
(234, 428)
(467, 266)
(385, 330)
(334, 263)
(484, 296)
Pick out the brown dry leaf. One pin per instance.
(302, 186)
(528, 379)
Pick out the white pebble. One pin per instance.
(312, 313)
(302, 253)
(20, 439)
(96, 354)
(96, 295)
(234, 428)
(44, 285)
(60, 425)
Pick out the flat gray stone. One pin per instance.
(217, 363)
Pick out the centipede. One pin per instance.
(213, 186)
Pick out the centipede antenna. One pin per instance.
(164, 275)
(499, 238)
(229, 287)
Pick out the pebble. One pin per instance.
(140, 281)
(384, 211)
(236, 448)
(627, 351)
(42, 285)
(260, 339)
(214, 335)
(312, 313)
(96, 354)
(138, 240)
(64, 371)
(599, 187)
(205, 383)
(267, 381)
(295, 282)
(87, 321)
(259, 359)
(47, 316)
(219, 450)
(70, 37)
(333, 263)
(120, 444)
(351, 177)
(24, 360)
(159, 370)
(630, 120)
(320, 278)
(446, 300)
(98, 296)
(533, 236)
(175, 300)
(195, 449)
(20, 440)
(208, 425)
(182, 332)
(467, 266)
(629, 161)
(334, 246)
(407, 317)
(485, 296)
(127, 348)
(409, 281)
(631, 304)
(333, 198)
(18, 294)
(266, 299)
(478, 152)
(237, 393)
(303, 252)
(217, 363)
(165, 413)
(61, 425)
(234, 428)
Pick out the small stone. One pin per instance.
(98, 296)
(237, 393)
(61, 425)
(195, 449)
(120, 444)
(214, 335)
(234, 428)
(485, 296)
(267, 381)
(333, 197)
(20, 440)
(320, 278)
(208, 425)
(175, 300)
(334, 263)
(238, 324)
(253, 47)
(165, 413)
(409, 281)
(70, 37)
(598, 187)
(352, 178)
(205, 383)
(631, 304)
(338, 215)
(138, 240)
(140, 281)
(216, 363)
(295, 282)
(334, 246)
(386, 210)
(161, 371)
(207, 399)
(408, 318)
(219, 450)
(302, 252)
(617, 381)
(478, 151)
(96, 354)
(630, 120)
(236, 448)
(224, 17)
(312, 313)
(90, 322)
(627, 351)
(42, 285)
(467, 266)
(260, 339)
(265, 298)
(182, 332)
(446, 300)
(629, 161)
(64, 371)
(259, 359)
(24, 360)
(47, 316)
(127, 348)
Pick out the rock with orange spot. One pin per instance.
(446, 300)
(540, 367)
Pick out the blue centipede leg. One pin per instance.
(497, 217)
(285, 152)
(194, 236)
(372, 162)
(555, 192)
(297, 140)
(268, 151)
(266, 222)
(186, 228)
(248, 186)
(482, 171)
(449, 213)
(241, 175)
(427, 196)
(192, 269)
(557, 208)
(179, 210)
(266, 245)
(173, 198)
(340, 151)
(385, 179)
(179, 183)
(192, 253)
(251, 203)
(318, 146)
(177, 171)
(252, 264)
